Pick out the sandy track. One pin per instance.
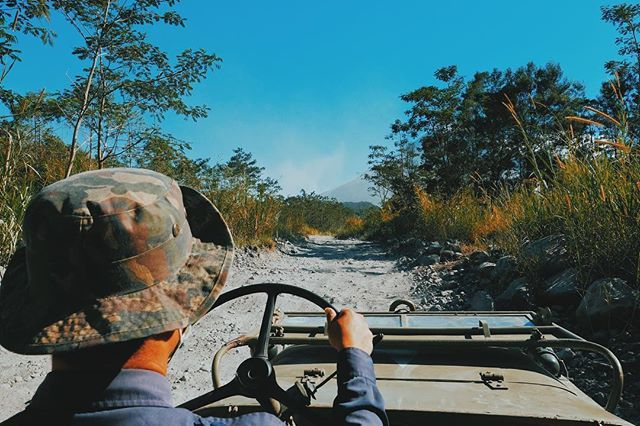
(347, 273)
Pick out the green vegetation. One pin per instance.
(511, 156)
(114, 108)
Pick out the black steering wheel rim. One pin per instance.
(255, 376)
(277, 288)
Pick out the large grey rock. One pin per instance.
(562, 288)
(479, 257)
(516, 296)
(434, 247)
(427, 260)
(607, 301)
(486, 268)
(505, 271)
(481, 301)
(546, 256)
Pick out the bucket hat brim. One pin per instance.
(30, 325)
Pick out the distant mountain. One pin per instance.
(352, 192)
(359, 207)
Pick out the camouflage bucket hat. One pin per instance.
(112, 255)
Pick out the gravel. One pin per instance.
(349, 273)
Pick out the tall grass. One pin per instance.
(592, 199)
(252, 218)
(595, 203)
(16, 181)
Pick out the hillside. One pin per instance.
(354, 191)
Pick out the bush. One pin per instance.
(596, 205)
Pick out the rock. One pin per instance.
(562, 288)
(565, 354)
(2, 269)
(433, 247)
(454, 246)
(600, 398)
(504, 271)
(427, 260)
(546, 256)
(411, 246)
(449, 255)
(478, 257)
(516, 296)
(481, 301)
(607, 301)
(485, 268)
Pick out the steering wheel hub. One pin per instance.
(254, 373)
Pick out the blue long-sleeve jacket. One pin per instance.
(142, 397)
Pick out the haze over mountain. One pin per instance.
(353, 191)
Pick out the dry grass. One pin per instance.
(593, 200)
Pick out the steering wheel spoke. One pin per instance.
(255, 376)
(232, 388)
(262, 344)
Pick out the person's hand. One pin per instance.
(348, 330)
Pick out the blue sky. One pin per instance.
(307, 87)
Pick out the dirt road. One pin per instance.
(347, 273)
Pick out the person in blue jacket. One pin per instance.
(116, 264)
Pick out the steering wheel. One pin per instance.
(255, 377)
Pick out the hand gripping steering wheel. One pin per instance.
(255, 376)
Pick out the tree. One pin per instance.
(128, 83)
(620, 98)
(167, 155)
(459, 133)
(20, 16)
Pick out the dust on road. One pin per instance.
(347, 273)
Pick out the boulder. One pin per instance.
(562, 288)
(486, 268)
(516, 296)
(427, 260)
(478, 257)
(546, 256)
(607, 301)
(449, 255)
(481, 301)
(504, 272)
(454, 246)
(433, 247)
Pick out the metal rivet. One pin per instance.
(175, 229)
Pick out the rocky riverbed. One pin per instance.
(367, 276)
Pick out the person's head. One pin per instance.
(114, 260)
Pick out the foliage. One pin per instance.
(459, 133)
(20, 17)
(312, 213)
(508, 157)
(248, 201)
(622, 98)
(127, 83)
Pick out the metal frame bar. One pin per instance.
(549, 330)
(617, 375)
